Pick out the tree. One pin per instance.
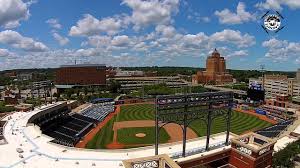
(77, 91)
(285, 157)
(69, 92)
(85, 91)
(160, 89)
(198, 89)
(114, 86)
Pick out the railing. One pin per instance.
(198, 150)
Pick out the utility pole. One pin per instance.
(143, 90)
(51, 96)
(262, 70)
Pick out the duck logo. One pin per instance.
(272, 22)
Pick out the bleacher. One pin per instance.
(275, 130)
(84, 118)
(99, 111)
(278, 113)
(62, 139)
(66, 129)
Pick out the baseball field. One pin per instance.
(133, 126)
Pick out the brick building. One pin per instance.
(81, 74)
(215, 71)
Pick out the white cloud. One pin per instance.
(67, 56)
(5, 53)
(99, 41)
(16, 40)
(151, 12)
(120, 41)
(194, 41)
(205, 19)
(166, 42)
(165, 31)
(54, 23)
(12, 12)
(281, 50)
(89, 25)
(61, 40)
(234, 37)
(159, 47)
(274, 43)
(197, 17)
(277, 4)
(141, 46)
(241, 15)
(107, 43)
(239, 53)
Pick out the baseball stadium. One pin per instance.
(133, 125)
(107, 133)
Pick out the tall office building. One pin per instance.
(215, 71)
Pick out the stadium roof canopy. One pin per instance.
(99, 100)
(64, 86)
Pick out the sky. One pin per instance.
(50, 33)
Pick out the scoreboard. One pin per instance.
(256, 92)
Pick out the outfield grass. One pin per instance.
(240, 122)
(103, 137)
(136, 112)
(127, 135)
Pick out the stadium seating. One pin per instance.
(83, 118)
(274, 130)
(67, 129)
(98, 111)
(64, 128)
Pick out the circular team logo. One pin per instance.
(272, 22)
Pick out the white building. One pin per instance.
(278, 85)
(128, 83)
(24, 76)
(120, 73)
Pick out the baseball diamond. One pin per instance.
(240, 123)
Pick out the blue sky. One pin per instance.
(48, 33)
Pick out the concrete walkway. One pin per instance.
(291, 128)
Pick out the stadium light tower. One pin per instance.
(262, 70)
(143, 90)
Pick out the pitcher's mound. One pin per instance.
(140, 135)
